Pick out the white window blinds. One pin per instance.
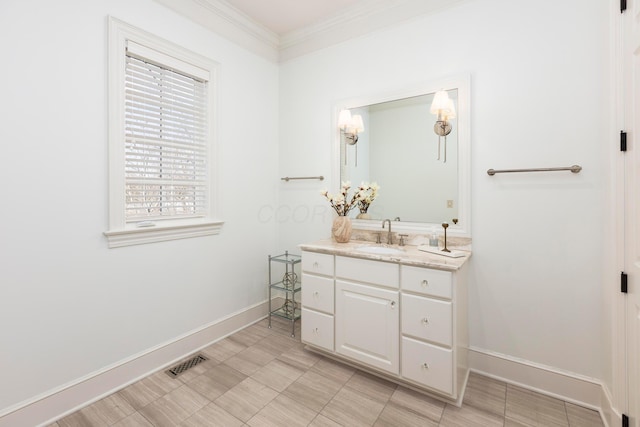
(165, 140)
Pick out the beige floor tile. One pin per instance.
(246, 399)
(508, 422)
(374, 387)
(223, 349)
(277, 344)
(332, 369)
(300, 358)
(468, 416)
(151, 388)
(107, 411)
(419, 403)
(250, 336)
(394, 415)
(486, 393)
(283, 411)
(313, 390)
(264, 377)
(352, 408)
(216, 381)
(175, 407)
(134, 420)
(212, 416)
(277, 375)
(251, 359)
(534, 409)
(280, 326)
(582, 417)
(77, 419)
(322, 421)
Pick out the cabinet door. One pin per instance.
(367, 325)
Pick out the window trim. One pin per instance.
(120, 233)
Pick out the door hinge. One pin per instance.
(623, 282)
(623, 5)
(623, 141)
(625, 420)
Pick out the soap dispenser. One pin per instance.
(433, 238)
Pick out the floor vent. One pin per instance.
(187, 364)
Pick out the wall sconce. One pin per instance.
(442, 106)
(349, 128)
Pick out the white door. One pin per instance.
(367, 325)
(631, 91)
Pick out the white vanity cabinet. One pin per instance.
(406, 323)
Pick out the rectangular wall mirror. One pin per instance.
(423, 176)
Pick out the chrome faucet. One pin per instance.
(389, 236)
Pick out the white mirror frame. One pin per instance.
(460, 82)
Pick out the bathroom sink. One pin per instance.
(380, 250)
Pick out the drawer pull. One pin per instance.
(425, 283)
(425, 321)
(425, 366)
(316, 265)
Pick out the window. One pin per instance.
(161, 158)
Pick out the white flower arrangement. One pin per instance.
(362, 198)
(371, 191)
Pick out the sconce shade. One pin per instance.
(344, 119)
(440, 102)
(356, 124)
(450, 111)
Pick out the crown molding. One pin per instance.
(229, 22)
(358, 20)
(362, 18)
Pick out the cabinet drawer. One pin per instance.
(317, 292)
(363, 270)
(317, 263)
(427, 365)
(317, 329)
(427, 319)
(426, 281)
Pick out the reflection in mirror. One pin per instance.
(416, 169)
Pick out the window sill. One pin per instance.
(162, 232)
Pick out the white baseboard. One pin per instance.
(47, 408)
(568, 386)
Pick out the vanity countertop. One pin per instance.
(411, 255)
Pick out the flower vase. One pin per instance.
(341, 229)
(363, 215)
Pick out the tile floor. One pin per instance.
(263, 377)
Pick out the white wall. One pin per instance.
(70, 306)
(538, 85)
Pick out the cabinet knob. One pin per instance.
(316, 293)
(425, 366)
(393, 304)
(316, 265)
(425, 321)
(425, 283)
(315, 331)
